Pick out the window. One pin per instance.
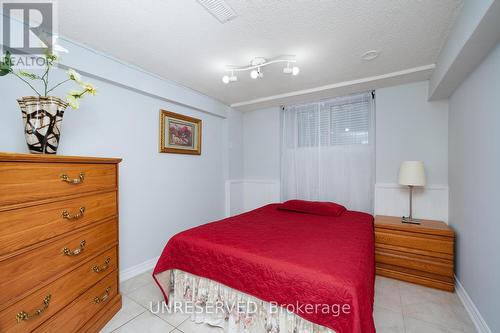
(328, 151)
(338, 121)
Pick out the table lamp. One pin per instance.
(411, 174)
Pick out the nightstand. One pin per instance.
(421, 254)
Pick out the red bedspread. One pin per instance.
(288, 258)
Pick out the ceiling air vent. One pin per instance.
(219, 9)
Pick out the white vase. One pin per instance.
(42, 122)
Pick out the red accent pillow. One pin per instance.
(313, 207)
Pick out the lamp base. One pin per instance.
(410, 220)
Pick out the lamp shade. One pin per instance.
(412, 173)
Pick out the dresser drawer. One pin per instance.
(415, 241)
(74, 316)
(23, 272)
(22, 182)
(26, 226)
(62, 292)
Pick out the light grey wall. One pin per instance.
(474, 157)
(160, 194)
(408, 127)
(234, 142)
(450, 66)
(261, 142)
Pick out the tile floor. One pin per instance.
(399, 308)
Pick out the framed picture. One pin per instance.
(179, 134)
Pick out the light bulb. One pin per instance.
(295, 70)
(254, 74)
(225, 79)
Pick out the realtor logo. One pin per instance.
(28, 27)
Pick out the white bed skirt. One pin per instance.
(215, 304)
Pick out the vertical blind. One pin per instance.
(328, 151)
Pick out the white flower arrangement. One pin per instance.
(72, 97)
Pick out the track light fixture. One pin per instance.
(256, 65)
(291, 70)
(256, 74)
(229, 78)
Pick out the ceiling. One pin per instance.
(182, 42)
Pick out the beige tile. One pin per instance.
(382, 282)
(437, 307)
(419, 326)
(387, 321)
(174, 319)
(413, 294)
(191, 327)
(145, 322)
(148, 295)
(467, 324)
(130, 285)
(441, 314)
(387, 294)
(129, 311)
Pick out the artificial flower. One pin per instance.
(90, 89)
(74, 75)
(76, 93)
(73, 101)
(51, 58)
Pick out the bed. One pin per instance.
(319, 269)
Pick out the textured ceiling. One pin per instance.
(180, 41)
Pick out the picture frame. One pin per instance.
(179, 134)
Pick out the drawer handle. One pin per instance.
(102, 268)
(67, 179)
(67, 215)
(75, 252)
(102, 298)
(23, 315)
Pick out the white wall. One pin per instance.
(160, 194)
(474, 157)
(408, 127)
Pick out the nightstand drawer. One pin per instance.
(415, 241)
(415, 262)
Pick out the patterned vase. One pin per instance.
(42, 122)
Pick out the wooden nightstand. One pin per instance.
(422, 254)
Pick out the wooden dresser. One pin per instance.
(58, 243)
(422, 254)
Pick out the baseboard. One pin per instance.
(471, 308)
(133, 271)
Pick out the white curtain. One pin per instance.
(328, 151)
